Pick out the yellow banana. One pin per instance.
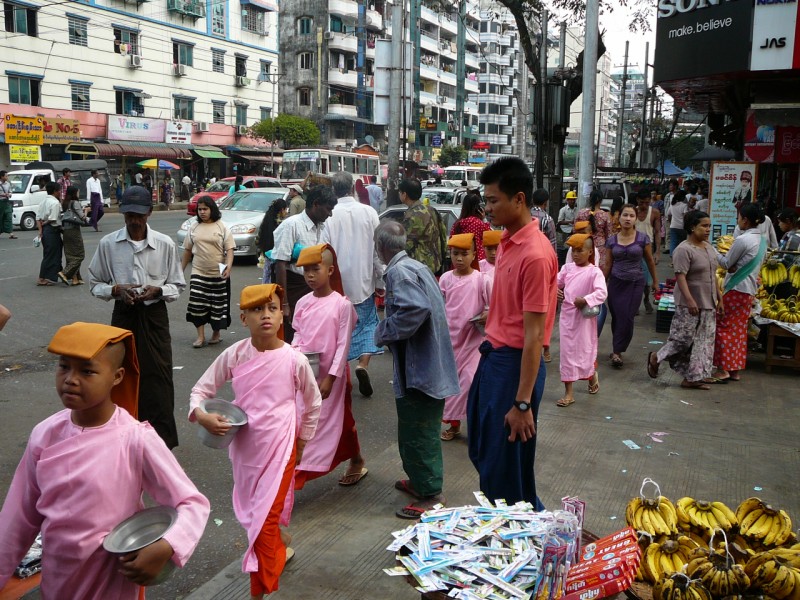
(630, 510)
(658, 522)
(721, 517)
(746, 524)
(668, 513)
(761, 527)
(747, 507)
(775, 529)
(786, 528)
(781, 585)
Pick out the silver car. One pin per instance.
(242, 212)
(450, 214)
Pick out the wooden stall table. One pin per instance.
(777, 334)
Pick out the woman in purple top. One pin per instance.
(625, 278)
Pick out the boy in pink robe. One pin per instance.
(580, 284)
(466, 294)
(274, 385)
(491, 241)
(323, 322)
(84, 471)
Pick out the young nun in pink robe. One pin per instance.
(466, 294)
(581, 283)
(491, 241)
(84, 471)
(323, 322)
(274, 385)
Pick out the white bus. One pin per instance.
(296, 164)
(471, 175)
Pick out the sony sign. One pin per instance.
(668, 8)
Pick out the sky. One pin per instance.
(617, 32)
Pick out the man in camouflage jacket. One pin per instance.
(425, 230)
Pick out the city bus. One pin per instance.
(297, 164)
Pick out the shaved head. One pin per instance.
(327, 258)
(115, 354)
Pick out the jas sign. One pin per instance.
(690, 33)
(775, 36)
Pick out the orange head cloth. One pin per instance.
(577, 241)
(492, 237)
(465, 241)
(86, 340)
(581, 226)
(312, 255)
(259, 295)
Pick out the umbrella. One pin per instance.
(152, 163)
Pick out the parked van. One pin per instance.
(28, 186)
(610, 186)
(471, 175)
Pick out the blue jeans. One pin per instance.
(676, 236)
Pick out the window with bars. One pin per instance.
(218, 61)
(20, 19)
(184, 108)
(304, 96)
(23, 90)
(241, 114)
(305, 60)
(78, 31)
(80, 97)
(218, 110)
(130, 102)
(126, 42)
(254, 19)
(218, 18)
(182, 54)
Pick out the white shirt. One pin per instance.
(297, 229)
(49, 211)
(351, 230)
(702, 205)
(375, 195)
(186, 180)
(138, 177)
(567, 214)
(767, 229)
(93, 186)
(743, 250)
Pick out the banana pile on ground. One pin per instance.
(773, 272)
(698, 550)
(787, 310)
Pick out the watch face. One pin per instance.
(523, 406)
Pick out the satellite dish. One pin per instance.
(370, 140)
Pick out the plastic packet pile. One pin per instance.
(32, 562)
(489, 551)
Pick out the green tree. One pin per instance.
(452, 155)
(680, 150)
(290, 130)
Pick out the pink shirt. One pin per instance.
(76, 484)
(524, 281)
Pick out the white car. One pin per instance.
(242, 212)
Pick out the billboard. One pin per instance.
(775, 44)
(732, 184)
(24, 130)
(135, 129)
(697, 38)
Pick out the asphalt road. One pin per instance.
(27, 395)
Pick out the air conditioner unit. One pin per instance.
(328, 35)
(242, 81)
(201, 126)
(442, 99)
(179, 70)
(135, 61)
(241, 130)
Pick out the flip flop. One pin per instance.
(565, 402)
(652, 371)
(214, 342)
(449, 434)
(716, 380)
(63, 278)
(547, 356)
(11, 236)
(404, 485)
(616, 361)
(364, 384)
(198, 344)
(414, 511)
(44, 283)
(346, 478)
(695, 386)
(594, 387)
(289, 554)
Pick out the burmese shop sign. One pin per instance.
(697, 38)
(138, 129)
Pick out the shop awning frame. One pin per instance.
(160, 151)
(208, 153)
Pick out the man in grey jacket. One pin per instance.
(415, 329)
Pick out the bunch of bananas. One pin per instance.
(706, 516)
(724, 243)
(773, 272)
(679, 587)
(790, 312)
(774, 576)
(655, 516)
(737, 546)
(663, 559)
(790, 555)
(762, 522)
(719, 574)
(772, 307)
(794, 276)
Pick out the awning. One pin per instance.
(161, 151)
(209, 152)
(714, 153)
(262, 159)
(265, 4)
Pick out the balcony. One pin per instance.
(347, 9)
(471, 60)
(471, 85)
(374, 20)
(427, 99)
(342, 77)
(344, 110)
(429, 43)
(429, 15)
(507, 130)
(471, 107)
(448, 23)
(447, 77)
(343, 42)
(505, 40)
(428, 72)
(187, 8)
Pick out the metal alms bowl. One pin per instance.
(479, 325)
(235, 416)
(142, 529)
(313, 360)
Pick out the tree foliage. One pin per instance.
(289, 130)
(452, 155)
(680, 150)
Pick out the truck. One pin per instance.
(28, 186)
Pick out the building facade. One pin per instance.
(153, 79)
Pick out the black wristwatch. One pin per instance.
(522, 406)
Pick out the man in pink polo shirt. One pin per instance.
(507, 389)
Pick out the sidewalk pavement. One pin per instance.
(730, 443)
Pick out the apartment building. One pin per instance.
(125, 80)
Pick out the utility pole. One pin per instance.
(620, 125)
(461, 72)
(396, 95)
(588, 102)
(539, 101)
(562, 57)
(644, 107)
(599, 127)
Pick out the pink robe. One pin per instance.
(464, 297)
(487, 269)
(265, 385)
(76, 485)
(579, 334)
(325, 325)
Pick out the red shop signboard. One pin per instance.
(787, 145)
